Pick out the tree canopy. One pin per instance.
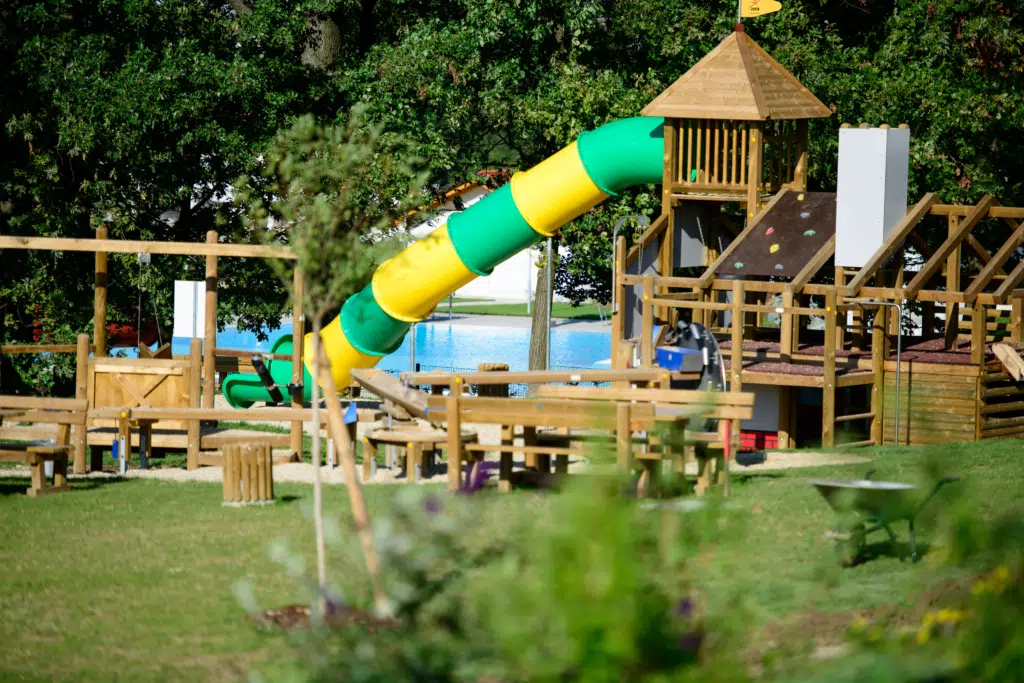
(150, 109)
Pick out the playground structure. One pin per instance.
(731, 131)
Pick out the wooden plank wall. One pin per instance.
(936, 406)
(1002, 404)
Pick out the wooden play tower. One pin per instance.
(803, 298)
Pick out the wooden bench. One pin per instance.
(530, 413)
(64, 412)
(727, 408)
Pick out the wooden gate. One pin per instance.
(139, 382)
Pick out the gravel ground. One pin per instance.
(303, 472)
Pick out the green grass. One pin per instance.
(132, 580)
(559, 310)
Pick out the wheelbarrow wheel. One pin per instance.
(849, 542)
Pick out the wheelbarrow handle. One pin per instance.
(938, 485)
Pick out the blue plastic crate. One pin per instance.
(673, 357)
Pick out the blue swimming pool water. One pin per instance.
(444, 345)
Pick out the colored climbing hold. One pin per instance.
(774, 248)
(779, 266)
(809, 233)
(693, 176)
(800, 197)
(805, 214)
(738, 264)
(770, 231)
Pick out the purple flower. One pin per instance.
(684, 608)
(432, 505)
(477, 477)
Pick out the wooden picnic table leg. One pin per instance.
(369, 458)
(530, 439)
(124, 441)
(413, 461)
(454, 435)
(36, 466)
(60, 471)
(505, 459)
(647, 482)
(624, 438)
(145, 443)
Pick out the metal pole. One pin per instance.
(529, 282)
(451, 297)
(899, 349)
(412, 348)
(550, 302)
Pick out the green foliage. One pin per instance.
(326, 191)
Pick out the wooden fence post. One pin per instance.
(828, 387)
(624, 437)
(99, 306)
(878, 357)
(454, 435)
(786, 329)
(647, 327)
(81, 392)
(195, 357)
(736, 352)
(1016, 319)
(210, 337)
(979, 330)
(298, 343)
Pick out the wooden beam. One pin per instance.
(935, 262)
(964, 209)
(210, 336)
(827, 251)
(659, 224)
(988, 272)
(709, 274)
(105, 246)
(892, 242)
(99, 305)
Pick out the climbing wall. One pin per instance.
(787, 237)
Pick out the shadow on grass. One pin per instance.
(885, 548)
(16, 486)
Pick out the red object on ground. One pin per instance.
(125, 335)
(755, 440)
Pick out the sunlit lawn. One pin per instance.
(133, 580)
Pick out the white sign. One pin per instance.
(189, 308)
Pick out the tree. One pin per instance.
(320, 191)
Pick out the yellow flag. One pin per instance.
(755, 8)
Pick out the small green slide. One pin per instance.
(243, 390)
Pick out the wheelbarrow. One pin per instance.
(870, 506)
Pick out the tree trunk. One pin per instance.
(324, 46)
(538, 330)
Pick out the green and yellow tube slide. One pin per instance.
(534, 205)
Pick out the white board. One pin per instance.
(189, 308)
(871, 190)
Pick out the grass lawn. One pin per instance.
(559, 310)
(133, 580)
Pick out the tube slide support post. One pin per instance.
(99, 326)
(195, 357)
(298, 335)
(81, 392)
(210, 337)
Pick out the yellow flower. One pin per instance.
(875, 633)
(1001, 574)
(980, 587)
(946, 616)
(859, 623)
(923, 635)
(928, 620)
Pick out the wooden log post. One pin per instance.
(195, 350)
(736, 352)
(1016, 319)
(828, 387)
(755, 170)
(840, 282)
(210, 331)
(952, 285)
(647, 328)
(298, 335)
(624, 438)
(81, 392)
(452, 409)
(979, 320)
(619, 295)
(99, 306)
(879, 353)
(786, 322)
(785, 407)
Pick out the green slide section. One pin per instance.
(244, 389)
(615, 156)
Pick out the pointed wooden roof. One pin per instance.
(737, 80)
